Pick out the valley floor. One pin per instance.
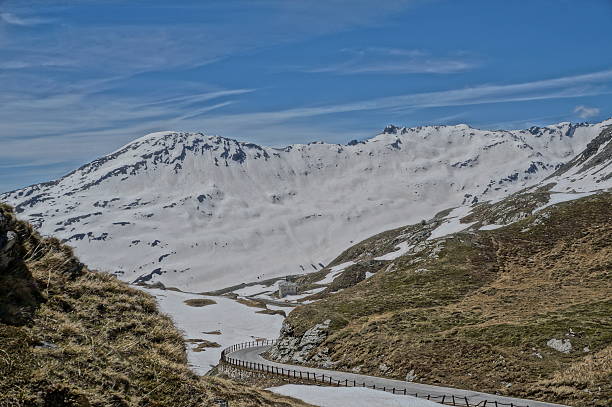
(220, 324)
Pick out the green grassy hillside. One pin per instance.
(477, 309)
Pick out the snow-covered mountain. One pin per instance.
(202, 212)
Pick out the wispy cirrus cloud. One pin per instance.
(148, 45)
(53, 131)
(376, 60)
(68, 117)
(591, 84)
(12, 19)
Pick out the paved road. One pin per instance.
(253, 355)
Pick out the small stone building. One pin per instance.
(286, 288)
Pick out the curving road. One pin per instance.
(253, 355)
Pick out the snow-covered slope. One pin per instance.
(203, 212)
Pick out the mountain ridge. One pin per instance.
(193, 206)
(389, 129)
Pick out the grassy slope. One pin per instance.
(478, 313)
(71, 337)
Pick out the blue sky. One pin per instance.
(78, 79)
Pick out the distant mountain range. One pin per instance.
(202, 212)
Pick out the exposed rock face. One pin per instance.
(19, 294)
(8, 238)
(561, 345)
(291, 348)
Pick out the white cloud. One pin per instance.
(133, 48)
(10, 18)
(396, 61)
(584, 112)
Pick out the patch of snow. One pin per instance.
(293, 298)
(491, 227)
(452, 223)
(403, 248)
(237, 323)
(558, 197)
(285, 308)
(334, 272)
(349, 397)
(254, 289)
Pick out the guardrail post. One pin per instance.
(443, 397)
(466, 402)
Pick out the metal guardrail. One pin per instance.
(296, 374)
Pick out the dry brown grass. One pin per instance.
(202, 344)
(272, 312)
(94, 341)
(252, 303)
(486, 306)
(199, 302)
(591, 376)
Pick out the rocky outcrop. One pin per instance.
(19, 294)
(8, 238)
(560, 345)
(294, 348)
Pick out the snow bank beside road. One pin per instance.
(349, 397)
